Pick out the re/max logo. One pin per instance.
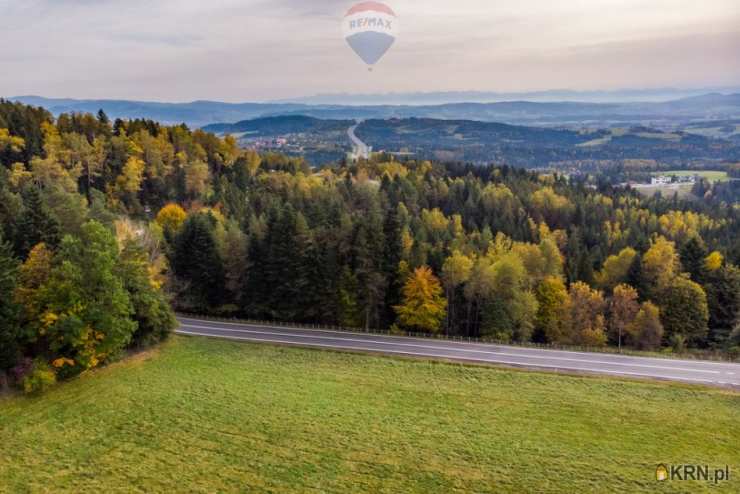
(693, 472)
(371, 22)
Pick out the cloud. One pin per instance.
(240, 50)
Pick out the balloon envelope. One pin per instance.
(370, 29)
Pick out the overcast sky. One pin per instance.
(249, 50)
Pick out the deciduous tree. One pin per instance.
(684, 310)
(647, 328)
(85, 312)
(616, 269)
(585, 323)
(552, 297)
(623, 308)
(424, 306)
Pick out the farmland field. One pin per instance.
(712, 176)
(215, 416)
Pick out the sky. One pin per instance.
(259, 50)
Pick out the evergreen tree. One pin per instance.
(723, 299)
(103, 118)
(391, 259)
(9, 323)
(196, 263)
(367, 255)
(36, 224)
(693, 254)
(574, 256)
(635, 277)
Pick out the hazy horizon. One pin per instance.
(620, 95)
(255, 50)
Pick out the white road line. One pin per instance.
(406, 338)
(455, 349)
(419, 354)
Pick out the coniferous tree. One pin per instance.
(9, 323)
(693, 254)
(35, 225)
(424, 307)
(391, 260)
(367, 253)
(197, 264)
(723, 299)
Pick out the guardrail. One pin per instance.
(692, 355)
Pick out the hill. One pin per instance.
(483, 142)
(280, 125)
(671, 114)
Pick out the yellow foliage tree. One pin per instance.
(7, 141)
(424, 307)
(33, 274)
(196, 178)
(171, 217)
(585, 320)
(19, 176)
(616, 269)
(660, 264)
(131, 176)
(714, 261)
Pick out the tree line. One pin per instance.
(483, 251)
(79, 283)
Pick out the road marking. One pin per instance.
(419, 354)
(461, 343)
(455, 349)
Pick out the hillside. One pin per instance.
(173, 215)
(217, 416)
(280, 125)
(485, 142)
(671, 114)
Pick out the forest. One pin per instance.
(107, 226)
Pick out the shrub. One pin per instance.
(21, 369)
(41, 378)
(647, 327)
(678, 342)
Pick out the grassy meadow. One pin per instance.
(710, 175)
(202, 415)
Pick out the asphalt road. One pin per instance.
(688, 371)
(360, 149)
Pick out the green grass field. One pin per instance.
(712, 176)
(202, 415)
(683, 190)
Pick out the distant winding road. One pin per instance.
(687, 371)
(360, 149)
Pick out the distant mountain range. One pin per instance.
(551, 96)
(666, 114)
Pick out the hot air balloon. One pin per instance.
(370, 29)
